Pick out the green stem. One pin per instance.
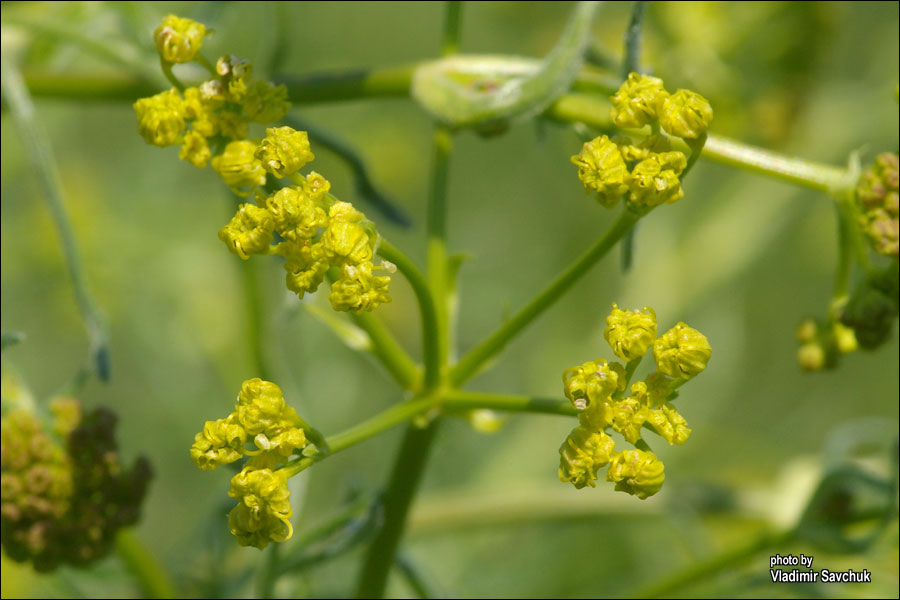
(402, 486)
(437, 252)
(452, 22)
(148, 572)
(631, 63)
(495, 342)
(458, 400)
(397, 414)
(40, 154)
(126, 56)
(166, 68)
(413, 577)
(388, 351)
(255, 329)
(794, 170)
(427, 308)
(704, 570)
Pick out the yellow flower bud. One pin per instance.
(239, 168)
(636, 472)
(592, 382)
(195, 150)
(161, 118)
(249, 232)
(266, 103)
(582, 455)
(284, 151)
(877, 200)
(358, 290)
(345, 242)
(628, 416)
(231, 125)
(220, 443)
(686, 114)
(304, 272)
(682, 352)
(264, 510)
(845, 338)
(637, 101)
(654, 180)
(601, 168)
(315, 186)
(811, 356)
(630, 333)
(260, 406)
(669, 424)
(282, 440)
(179, 40)
(295, 215)
(654, 391)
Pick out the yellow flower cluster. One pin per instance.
(597, 390)
(316, 231)
(211, 114)
(303, 223)
(647, 172)
(261, 414)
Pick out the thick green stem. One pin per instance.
(149, 573)
(402, 486)
(778, 166)
(437, 250)
(40, 154)
(427, 307)
(495, 342)
(704, 570)
(452, 23)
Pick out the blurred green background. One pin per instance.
(741, 258)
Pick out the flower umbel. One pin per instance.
(262, 416)
(597, 389)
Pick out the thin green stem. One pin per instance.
(631, 62)
(494, 343)
(397, 414)
(842, 273)
(427, 307)
(255, 328)
(414, 578)
(461, 401)
(40, 154)
(388, 351)
(704, 570)
(166, 68)
(101, 46)
(147, 571)
(437, 250)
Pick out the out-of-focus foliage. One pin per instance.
(741, 258)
